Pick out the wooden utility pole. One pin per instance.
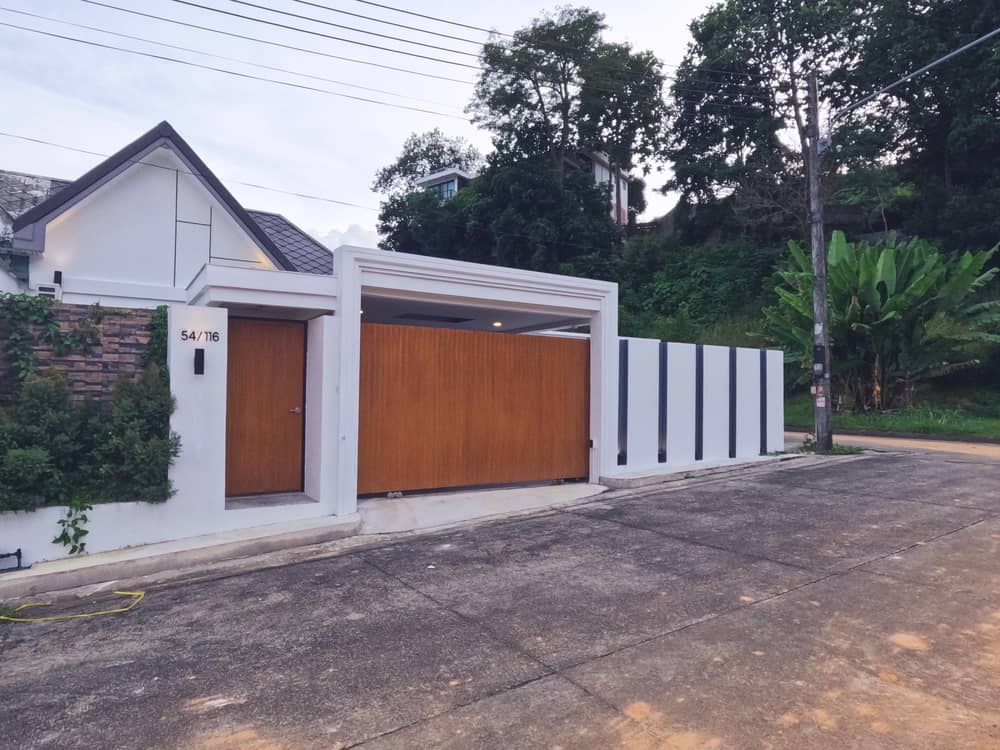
(821, 331)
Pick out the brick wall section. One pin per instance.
(124, 337)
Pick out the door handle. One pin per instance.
(295, 410)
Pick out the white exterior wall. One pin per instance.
(8, 284)
(139, 239)
(642, 420)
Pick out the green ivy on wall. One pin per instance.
(57, 450)
(32, 320)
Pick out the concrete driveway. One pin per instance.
(849, 604)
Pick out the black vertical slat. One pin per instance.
(763, 402)
(623, 402)
(661, 455)
(699, 402)
(732, 402)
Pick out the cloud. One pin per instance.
(355, 234)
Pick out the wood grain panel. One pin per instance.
(449, 408)
(265, 385)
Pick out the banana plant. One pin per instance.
(898, 312)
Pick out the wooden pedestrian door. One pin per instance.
(265, 406)
(451, 408)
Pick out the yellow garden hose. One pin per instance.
(137, 596)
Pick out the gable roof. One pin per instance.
(163, 132)
(305, 253)
(20, 192)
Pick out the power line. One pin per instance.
(840, 113)
(218, 57)
(556, 45)
(433, 18)
(160, 166)
(247, 76)
(387, 23)
(279, 69)
(325, 36)
(272, 43)
(312, 19)
(320, 53)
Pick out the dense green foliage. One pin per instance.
(938, 133)
(899, 314)
(511, 215)
(55, 450)
(919, 159)
(709, 294)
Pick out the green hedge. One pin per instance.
(56, 450)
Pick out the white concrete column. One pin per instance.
(775, 400)
(715, 395)
(604, 387)
(348, 373)
(748, 403)
(199, 472)
(681, 396)
(321, 411)
(643, 435)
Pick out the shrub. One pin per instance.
(26, 475)
(55, 450)
(898, 315)
(136, 448)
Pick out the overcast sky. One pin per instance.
(257, 132)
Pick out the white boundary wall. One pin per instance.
(688, 404)
(199, 473)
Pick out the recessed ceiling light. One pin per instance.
(497, 324)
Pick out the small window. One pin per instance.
(444, 190)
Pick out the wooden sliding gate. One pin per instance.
(441, 407)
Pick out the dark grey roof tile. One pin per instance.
(305, 253)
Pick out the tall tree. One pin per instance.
(556, 87)
(938, 132)
(423, 154)
(738, 116)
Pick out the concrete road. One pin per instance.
(850, 604)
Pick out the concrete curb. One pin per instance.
(629, 482)
(59, 575)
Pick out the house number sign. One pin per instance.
(203, 336)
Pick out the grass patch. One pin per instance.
(809, 446)
(973, 414)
